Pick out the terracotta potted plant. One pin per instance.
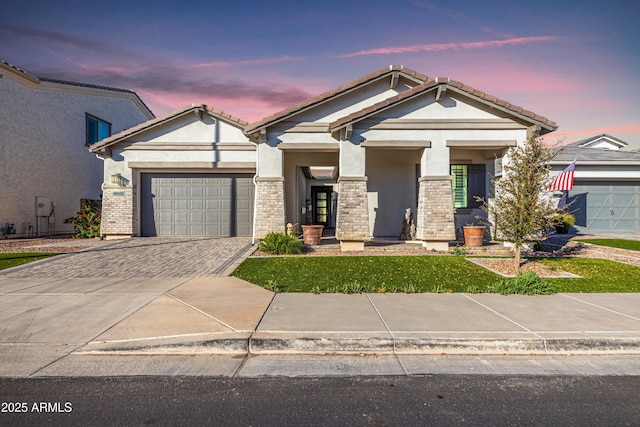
(473, 235)
(311, 234)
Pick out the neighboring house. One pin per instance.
(353, 159)
(606, 192)
(46, 126)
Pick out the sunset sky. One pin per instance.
(575, 62)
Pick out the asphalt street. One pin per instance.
(355, 401)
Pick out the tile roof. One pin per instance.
(568, 153)
(429, 85)
(333, 93)
(115, 138)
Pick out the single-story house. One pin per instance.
(46, 126)
(352, 159)
(606, 191)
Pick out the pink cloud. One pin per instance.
(438, 47)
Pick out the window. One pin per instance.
(459, 185)
(468, 181)
(97, 129)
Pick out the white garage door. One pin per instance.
(214, 205)
(606, 206)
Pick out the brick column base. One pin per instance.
(270, 213)
(435, 222)
(352, 219)
(118, 212)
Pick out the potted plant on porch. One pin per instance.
(473, 235)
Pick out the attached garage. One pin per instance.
(612, 206)
(205, 204)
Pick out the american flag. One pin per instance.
(564, 181)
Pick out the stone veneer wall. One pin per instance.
(118, 211)
(270, 213)
(435, 209)
(352, 222)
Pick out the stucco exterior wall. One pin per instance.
(42, 146)
(187, 144)
(393, 183)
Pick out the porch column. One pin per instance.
(352, 217)
(352, 221)
(269, 211)
(118, 211)
(269, 200)
(435, 224)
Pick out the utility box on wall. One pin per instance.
(43, 206)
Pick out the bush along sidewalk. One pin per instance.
(527, 283)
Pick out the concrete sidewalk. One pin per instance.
(168, 303)
(57, 325)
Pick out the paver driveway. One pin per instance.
(147, 257)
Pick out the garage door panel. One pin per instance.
(196, 205)
(606, 206)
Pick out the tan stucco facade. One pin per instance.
(353, 159)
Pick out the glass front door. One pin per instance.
(321, 205)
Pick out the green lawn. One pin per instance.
(11, 259)
(633, 245)
(598, 275)
(420, 274)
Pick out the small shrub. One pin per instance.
(86, 223)
(281, 243)
(460, 250)
(528, 283)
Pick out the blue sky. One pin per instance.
(575, 62)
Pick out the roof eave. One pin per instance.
(383, 73)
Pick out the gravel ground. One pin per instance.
(62, 244)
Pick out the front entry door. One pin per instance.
(321, 205)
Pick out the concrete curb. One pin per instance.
(265, 343)
(236, 343)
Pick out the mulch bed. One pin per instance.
(506, 267)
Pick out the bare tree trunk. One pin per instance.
(517, 256)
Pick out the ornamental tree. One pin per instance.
(522, 209)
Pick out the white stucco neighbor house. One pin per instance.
(45, 128)
(606, 192)
(352, 159)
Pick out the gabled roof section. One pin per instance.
(17, 71)
(608, 138)
(445, 82)
(326, 96)
(37, 80)
(100, 146)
